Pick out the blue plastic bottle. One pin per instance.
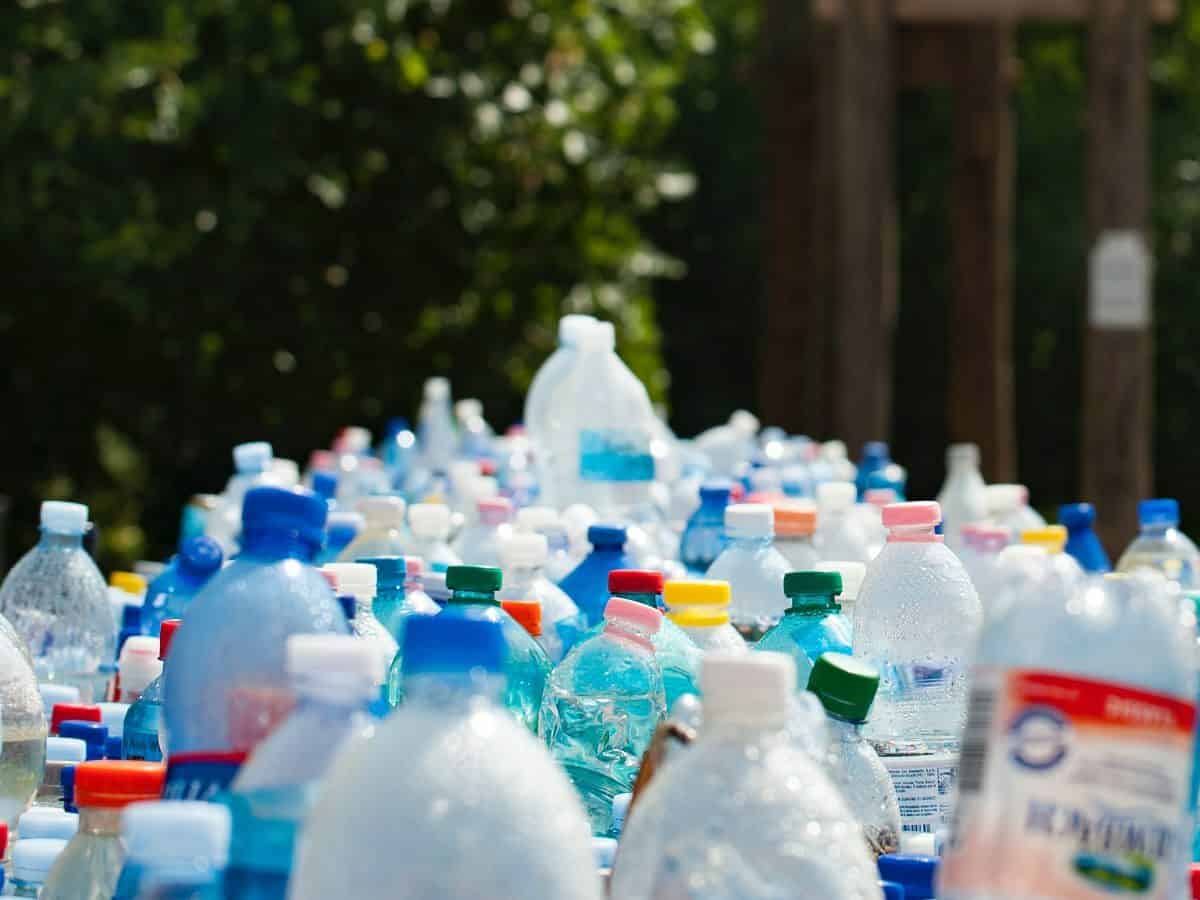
(1161, 545)
(812, 625)
(601, 706)
(473, 595)
(1082, 542)
(173, 851)
(226, 686)
(587, 585)
(340, 531)
(142, 738)
(677, 654)
(704, 536)
(875, 456)
(394, 602)
(170, 594)
(916, 874)
(93, 735)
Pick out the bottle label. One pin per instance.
(615, 454)
(201, 776)
(924, 786)
(1084, 782)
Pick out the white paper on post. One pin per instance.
(1119, 271)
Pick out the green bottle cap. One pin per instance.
(812, 583)
(845, 686)
(477, 579)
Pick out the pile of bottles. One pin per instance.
(588, 658)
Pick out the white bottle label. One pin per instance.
(1085, 782)
(615, 454)
(924, 786)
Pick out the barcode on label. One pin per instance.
(919, 828)
(980, 709)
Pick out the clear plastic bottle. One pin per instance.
(174, 850)
(398, 593)
(795, 527)
(979, 553)
(544, 520)
(1008, 506)
(142, 737)
(730, 446)
(384, 534)
(505, 821)
(1081, 697)
(225, 682)
(22, 757)
(853, 573)
(435, 426)
(840, 528)
(963, 496)
(601, 706)
(677, 654)
(252, 468)
(272, 795)
(1053, 539)
(478, 544)
(430, 524)
(743, 814)
(473, 596)
(701, 609)
(846, 688)
(753, 568)
(357, 580)
(548, 380)
(587, 585)
(812, 625)
(171, 593)
(90, 865)
(523, 556)
(56, 599)
(1161, 545)
(32, 860)
(704, 535)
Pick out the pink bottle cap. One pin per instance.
(880, 497)
(494, 510)
(913, 521)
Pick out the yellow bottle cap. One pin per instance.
(697, 603)
(1052, 537)
(129, 582)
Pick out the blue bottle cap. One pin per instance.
(606, 536)
(91, 733)
(199, 556)
(298, 513)
(65, 749)
(324, 484)
(389, 571)
(718, 489)
(46, 822)
(1160, 511)
(891, 890)
(67, 779)
(449, 644)
(112, 747)
(916, 874)
(348, 605)
(1076, 515)
(397, 424)
(875, 451)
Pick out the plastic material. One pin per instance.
(753, 568)
(813, 623)
(701, 609)
(963, 497)
(1082, 541)
(587, 585)
(180, 846)
(171, 593)
(1162, 546)
(704, 535)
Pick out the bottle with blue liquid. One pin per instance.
(1082, 540)
(142, 737)
(171, 593)
(398, 593)
(1162, 546)
(587, 585)
(813, 623)
(704, 535)
(676, 653)
(876, 456)
(173, 851)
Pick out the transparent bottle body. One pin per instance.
(709, 638)
(804, 636)
(562, 622)
(377, 540)
(841, 535)
(142, 736)
(800, 552)
(963, 499)
(23, 724)
(854, 766)
(436, 553)
(368, 628)
(754, 570)
(703, 538)
(479, 543)
(90, 864)
(1165, 550)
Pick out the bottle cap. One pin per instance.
(1195, 876)
(834, 451)
(177, 833)
(139, 663)
(812, 582)
(65, 749)
(64, 518)
(252, 457)
(1160, 511)
(537, 518)
(606, 536)
(1077, 515)
(73, 712)
(297, 513)
(389, 571)
(114, 747)
(527, 613)
(875, 451)
(356, 579)
(166, 633)
(1052, 537)
(716, 490)
(452, 644)
(639, 616)
(129, 582)
(744, 421)
(523, 549)
(47, 822)
(634, 581)
(33, 858)
(325, 485)
(749, 520)
(333, 660)
(116, 783)
(571, 328)
(494, 510)
(53, 694)
(93, 734)
(695, 593)
(383, 511)
(1003, 498)
(852, 574)
(963, 453)
(845, 686)
(794, 519)
(477, 579)
(200, 556)
(987, 538)
(352, 439)
(891, 890)
(914, 514)
(880, 497)
(916, 874)
(286, 472)
(834, 496)
(112, 715)
(437, 388)
(751, 690)
(429, 520)
(66, 778)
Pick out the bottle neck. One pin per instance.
(487, 598)
(271, 544)
(390, 589)
(650, 600)
(746, 542)
(843, 729)
(100, 820)
(813, 604)
(59, 540)
(1157, 528)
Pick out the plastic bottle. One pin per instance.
(473, 596)
(225, 685)
(504, 805)
(753, 568)
(841, 532)
(677, 654)
(47, 822)
(435, 426)
(358, 581)
(875, 456)
(478, 544)
(173, 850)
(399, 451)
(22, 756)
(701, 609)
(1053, 539)
(142, 737)
(795, 527)
(171, 593)
(544, 520)
(1080, 697)
(549, 378)
(91, 863)
(1161, 545)
(126, 597)
(334, 680)
(341, 528)
(704, 535)
(729, 446)
(963, 496)
(853, 574)
(398, 593)
(137, 667)
(430, 524)
(1008, 506)
(252, 468)
(812, 625)
(846, 688)
(32, 860)
(587, 584)
(602, 704)
(1082, 541)
(93, 734)
(476, 436)
(56, 599)
(384, 532)
(523, 556)
(782, 828)
(60, 751)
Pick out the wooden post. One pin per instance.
(865, 298)
(1118, 373)
(981, 404)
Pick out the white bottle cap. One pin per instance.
(752, 690)
(468, 408)
(139, 663)
(429, 520)
(357, 580)
(64, 750)
(383, 510)
(252, 457)
(64, 518)
(751, 520)
(835, 496)
(572, 327)
(1003, 498)
(354, 439)
(285, 471)
(333, 661)
(523, 549)
(112, 715)
(162, 832)
(437, 388)
(48, 822)
(744, 421)
(56, 693)
(537, 518)
(32, 858)
(852, 574)
(833, 451)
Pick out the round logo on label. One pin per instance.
(1038, 738)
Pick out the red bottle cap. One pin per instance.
(166, 633)
(73, 712)
(114, 783)
(634, 581)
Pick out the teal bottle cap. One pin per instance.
(812, 583)
(845, 686)
(477, 579)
